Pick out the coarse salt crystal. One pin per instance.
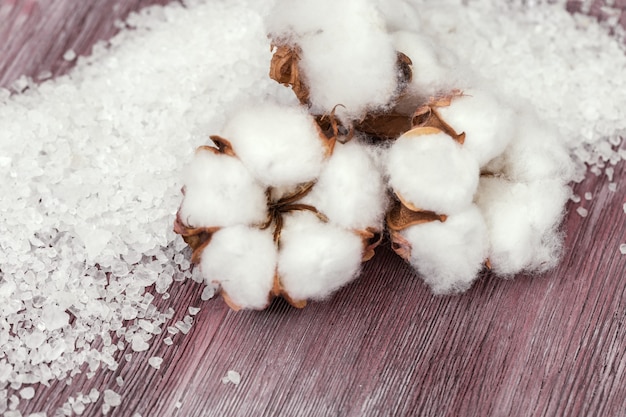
(233, 377)
(155, 362)
(583, 212)
(139, 344)
(193, 310)
(622, 248)
(588, 196)
(69, 55)
(27, 393)
(613, 186)
(112, 398)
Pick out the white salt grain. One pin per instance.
(112, 398)
(612, 186)
(178, 404)
(155, 362)
(193, 310)
(582, 212)
(27, 393)
(94, 394)
(207, 293)
(69, 55)
(232, 377)
(588, 196)
(119, 381)
(168, 341)
(622, 248)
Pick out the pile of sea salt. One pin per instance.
(91, 162)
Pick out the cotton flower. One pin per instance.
(345, 53)
(289, 231)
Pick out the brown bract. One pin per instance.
(285, 69)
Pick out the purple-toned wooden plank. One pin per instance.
(549, 345)
(34, 34)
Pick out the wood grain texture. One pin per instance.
(546, 345)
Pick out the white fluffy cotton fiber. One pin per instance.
(435, 70)
(281, 146)
(488, 123)
(536, 152)
(219, 191)
(316, 258)
(430, 171)
(347, 56)
(448, 255)
(522, 220)
(350, 190)
(243, 261)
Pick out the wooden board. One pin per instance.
(535, 346)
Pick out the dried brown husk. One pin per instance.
(285, 69)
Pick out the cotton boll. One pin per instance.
(219, 191)
(487, 121)
(399, 15)
(316, 258)
(243, 261)
(350, 190)
(281, 146)
(448, 255)
(523, 221)
(434, 68)
(347, 56)
(536, 152)
(432, 172)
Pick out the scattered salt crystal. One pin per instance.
(207, 293)
(128, 357)
(183, 327)
(612, 186)
(172, 330)
(136, 415)
(119, 381)
(112, 398)
(165, 296)
(69, 55)
(94, 394)
(233, 377)
(624, 207)
(78, 408)
(155, 362)
(588, 196)
(178, 404)
(610, 171)
(168, 341)
(622, 248)
(583, 212)
(27, 393)
(193, 310)
(139, 344)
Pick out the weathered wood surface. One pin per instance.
(534, 346)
